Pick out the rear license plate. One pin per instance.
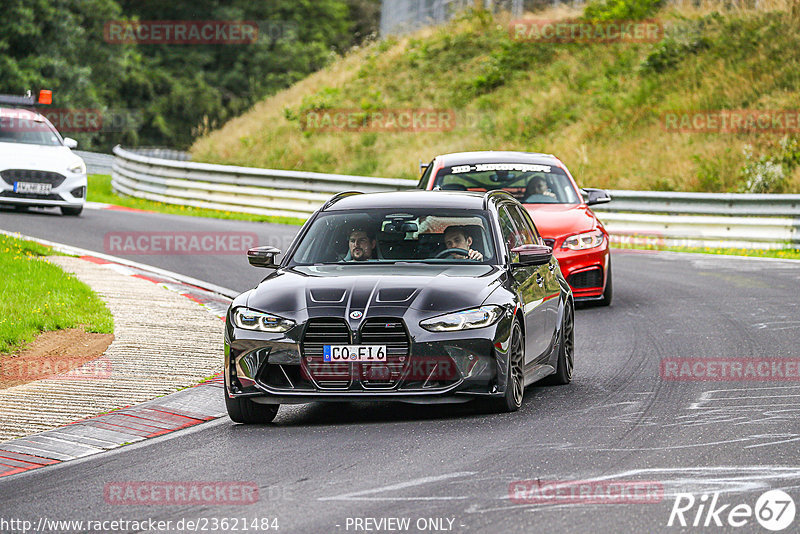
(354, 353)
(32, 188)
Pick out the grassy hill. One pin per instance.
(599, 107)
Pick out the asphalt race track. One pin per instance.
(322, 467)
(89, 231)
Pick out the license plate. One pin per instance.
(28, 187)
(354, 353)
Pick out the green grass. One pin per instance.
(784, 254)
(100, 191)
(599, 107)
(37, 295)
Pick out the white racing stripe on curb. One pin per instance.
(68, 249)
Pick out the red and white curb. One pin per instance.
(163, 415)
(160, 416)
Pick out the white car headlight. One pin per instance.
(463, 320)
(262, 322)
(585, 240)
(79, 167)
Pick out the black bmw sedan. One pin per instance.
(421, 297)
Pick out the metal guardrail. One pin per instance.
(161, 152)
(728, 220)
(232, 188)
(678, 203)
(96, 162)
(643, 217)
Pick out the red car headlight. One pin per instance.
(583, 241)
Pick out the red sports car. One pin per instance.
(556, 203)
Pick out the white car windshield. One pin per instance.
(23, 128)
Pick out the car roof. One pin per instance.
(496, 156)
(405, 199)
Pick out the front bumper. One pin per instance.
(585, 270)
(433, 368)
(70, 192)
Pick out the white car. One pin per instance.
(37, 166)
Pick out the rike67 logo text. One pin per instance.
(774, 510)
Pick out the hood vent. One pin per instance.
(333, 295)
(395, 294)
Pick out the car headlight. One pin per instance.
(585, 240)
(263, 322)
(79, 167)
(463, 320)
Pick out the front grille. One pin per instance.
(321, 332)
(392, 333)
(28, 175)
(586, 279)
(379, 375)
(32, 196)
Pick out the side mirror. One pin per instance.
(595, 196)
(533, 254)
(70, 142)
(263, 257)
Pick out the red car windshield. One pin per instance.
(528, 183)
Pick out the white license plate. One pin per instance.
(354, 353)
(36, 189)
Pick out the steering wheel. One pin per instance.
(448, 251)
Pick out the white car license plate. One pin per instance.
(354, 353)
(36, 189)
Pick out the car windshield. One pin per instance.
(528, 183)
(392, 235)
(22, 128)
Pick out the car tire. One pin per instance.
(244, 410)
(515, 390)
(609, 292)
(71, 212)
(566, 351)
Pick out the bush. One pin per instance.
(768, 174)
(621, 9)
(762, 175)
(680, 43)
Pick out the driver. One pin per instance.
(538, 186)
(456, 237)
(362, 244)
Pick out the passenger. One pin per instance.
(362, 244)
(456, 237)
